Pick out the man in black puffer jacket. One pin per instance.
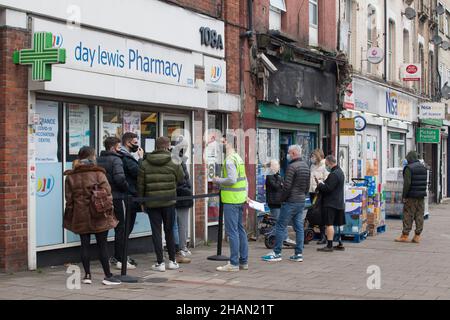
(131, 153)
(295, 188)
(111, 160)
(415, 177)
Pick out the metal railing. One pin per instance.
(130, 200)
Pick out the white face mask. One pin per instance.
(313, 160)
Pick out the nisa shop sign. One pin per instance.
(398, 107)
(391, 103)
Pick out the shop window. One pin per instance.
(111, 124)
(115, 122)
(49, 173)
(149, 125)
(397, 151)
(80, 128)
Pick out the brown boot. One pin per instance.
(181, 259)
(402, 238)
(416, 238)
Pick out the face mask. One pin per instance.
(289, 158)
(313, 160)
(134, 148)
(328, 168)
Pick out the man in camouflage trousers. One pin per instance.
(414, 192)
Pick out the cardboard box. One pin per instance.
(355, 194)
(354, 208)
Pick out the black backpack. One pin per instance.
(314, 213)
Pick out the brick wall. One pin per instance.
(13, 152)
(327, 25)
(212, 8)
(295, 21)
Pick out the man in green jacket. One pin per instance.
(158, 177)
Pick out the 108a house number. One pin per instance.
(211, 38)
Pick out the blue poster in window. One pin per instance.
(49, 204)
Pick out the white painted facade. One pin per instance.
(387, 103)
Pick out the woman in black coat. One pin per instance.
(274, 185)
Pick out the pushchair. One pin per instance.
(266, 227)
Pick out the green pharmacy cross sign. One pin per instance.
(41, 56)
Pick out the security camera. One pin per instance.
(267, 63)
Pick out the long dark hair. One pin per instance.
(86, 153)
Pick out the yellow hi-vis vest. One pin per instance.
(237, 193)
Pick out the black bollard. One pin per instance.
(219, 256)
(123, 277)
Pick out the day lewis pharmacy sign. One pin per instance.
(41, 56)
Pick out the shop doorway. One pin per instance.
(430, 158)
(173, 127)
(286, 139)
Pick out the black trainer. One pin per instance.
(111, 281)
(322, 241)
(325, 249)
(87, 279)
(339, 247)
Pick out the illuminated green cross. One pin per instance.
(41, 56)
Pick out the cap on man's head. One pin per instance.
(162, 143)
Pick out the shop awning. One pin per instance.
(288, 114)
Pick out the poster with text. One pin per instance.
(132, 123)
(47, 132)
(79, 127)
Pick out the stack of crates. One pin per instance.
(355, 210)
(393, 190)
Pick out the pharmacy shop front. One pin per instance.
(109, 84)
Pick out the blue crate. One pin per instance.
(381, 229)
(352, 237)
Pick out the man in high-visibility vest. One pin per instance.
(233, 192)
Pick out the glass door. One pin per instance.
(175, 127)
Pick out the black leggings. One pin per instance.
(102, 245)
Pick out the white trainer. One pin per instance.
(161, 267)
(173, 265)
(129, 266)
(228, 268)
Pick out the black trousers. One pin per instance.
(165, 216)
(102, 246)
(119, 211)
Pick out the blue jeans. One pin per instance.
(290, 211)
(236, 233)
(275, 212)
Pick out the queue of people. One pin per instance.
(96, 190)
